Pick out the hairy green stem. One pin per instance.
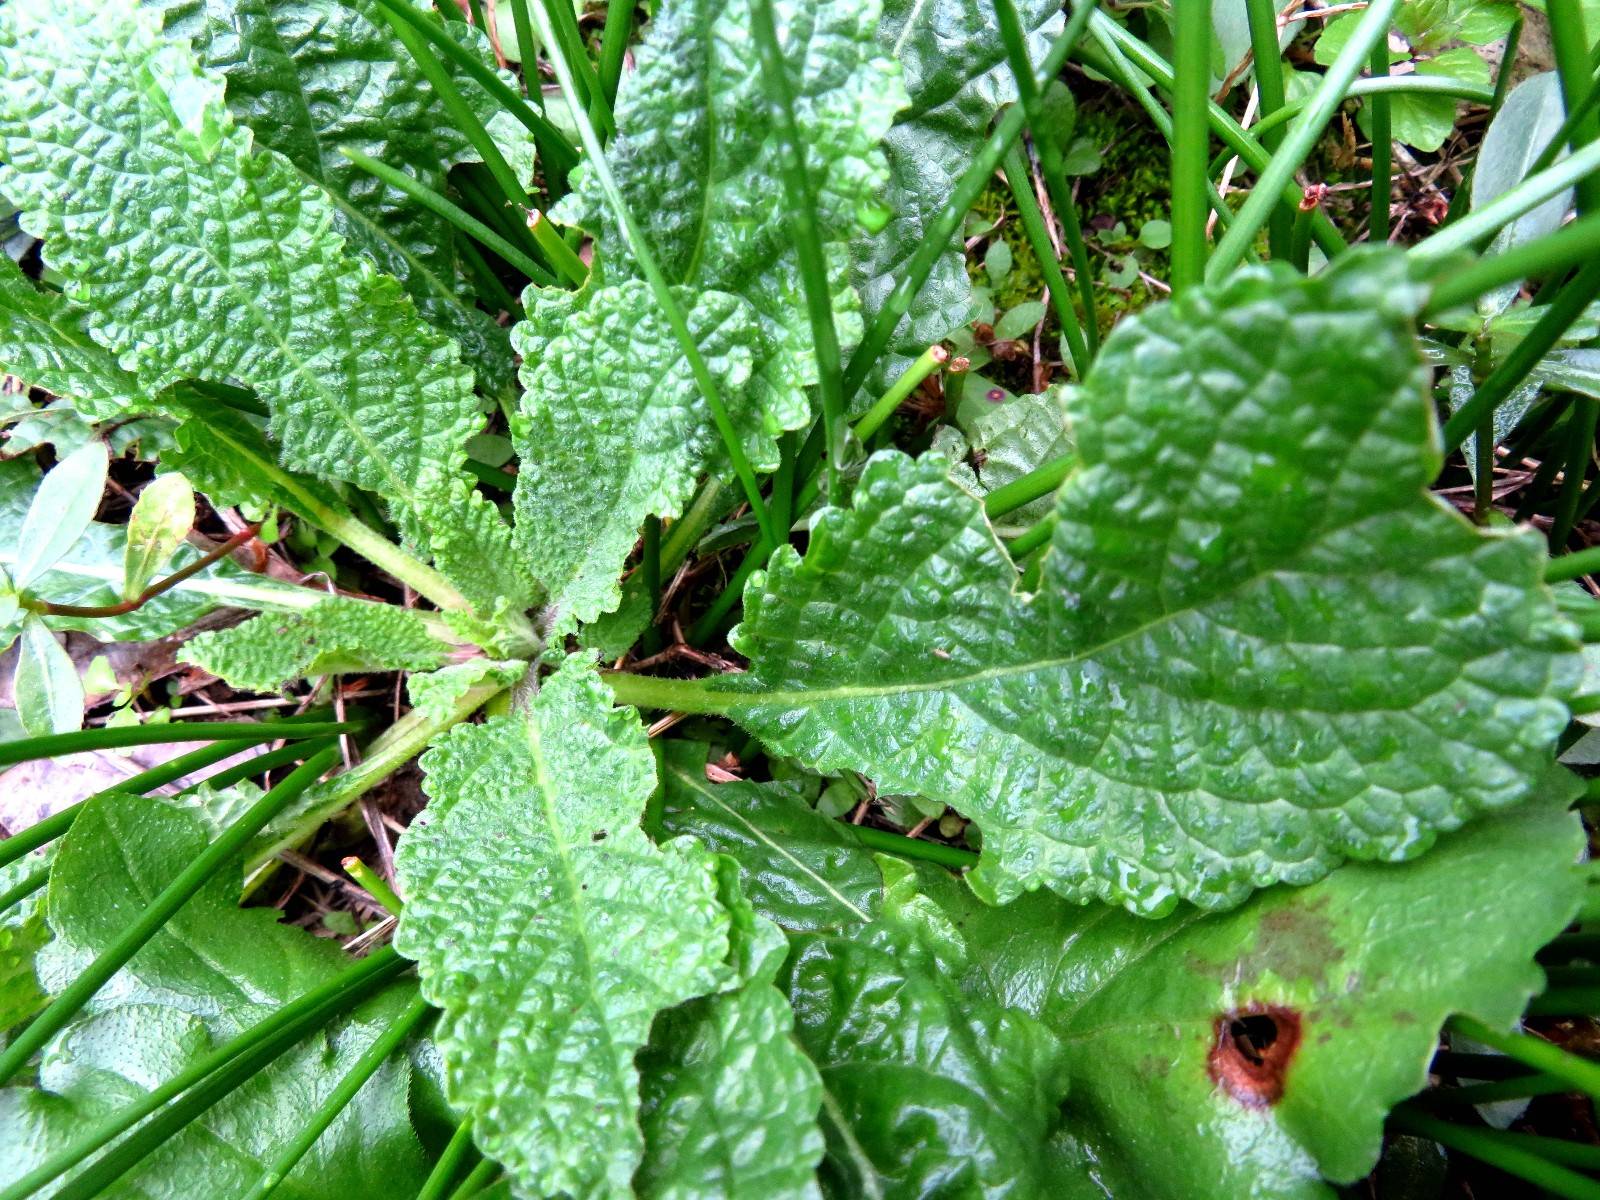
(148, 923)
(247, 1053)
(398, 745)
(1372, 27)
(365, 1067)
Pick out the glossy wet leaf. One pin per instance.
(334, 637)
(48, 693)
(614, 429)
(1321, 662)
(800, 868)
(934, 1085)
(160, 519)
(359, 387)
(214, 970)
(1355, 973)
(63, 505)
(697, 159)
(1013, 438)
(551, 954)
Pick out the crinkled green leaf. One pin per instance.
(335, 636)
(44, 341)
(1013, 438)
(1258, 647)
(954, 66)
(729, 1101)
(212, 971)
(222, 261)
(697, 157)
(614, 429)
(551, 931)
(935, 1087)
(1367, 963)
(436, 692)
(310, 77)
(801, 869)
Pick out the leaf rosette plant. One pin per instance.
(1200, 761)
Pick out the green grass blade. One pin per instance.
(1483, 1146)
(1372, 27)
(1050, 163)
(962, 196)
(149, 922)
(1019, 180)
(242, 732)
(1190, 140)
(339, 1099)
(659, 287)
(1570, 43)
(455, 215)
(1268, 58)
(248, 1052)
(802, 204)
(614, 46)
(1382, 138)
(1548, 256)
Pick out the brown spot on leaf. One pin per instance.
(1252, 1051)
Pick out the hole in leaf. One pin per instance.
(1251, 1052)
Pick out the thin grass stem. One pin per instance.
(148, 923)
(614, 47)
(364, 1068)
(1371, 28)
(445, 1170)
(1268, 61)
(1482, 1145)
(220, 1071)
(1020, 180)
(449, 211)
(1190, 140)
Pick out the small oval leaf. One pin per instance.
(61, 510)
(163, 514)
(49, 695)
